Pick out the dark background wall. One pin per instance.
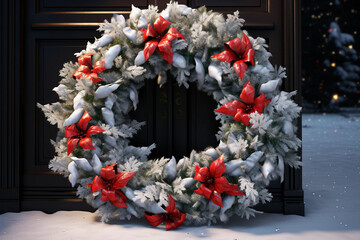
(38, 36)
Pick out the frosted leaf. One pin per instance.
(54, 113)
(248, 187)
(157, 166)
(110, 55)
(237, 146)
(255, 143)
(178, 44)
(105, 91)
(170, 169)
(260, 122)
(265, 196)
(133, 72)
(178, 185)
(130, 165)
(74, 117)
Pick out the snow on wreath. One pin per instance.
(256, 138)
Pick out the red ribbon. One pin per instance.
(173, 218)
(249, 104)
(86, 68)
(110, 182)
(157, 39)
(239, 53)
(81, 134)
(213, 183)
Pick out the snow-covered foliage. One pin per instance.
(255, 154)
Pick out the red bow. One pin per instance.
(110, 182)
(86, 68)
(81, 134)
(250, 104)
(173, 218)
(159, 41)
(238, 52)
(213, 184)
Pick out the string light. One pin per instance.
(333, 64)
(350, 46)
(335, 97)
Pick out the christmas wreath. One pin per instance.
(256, 138)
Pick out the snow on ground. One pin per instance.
(331, 181)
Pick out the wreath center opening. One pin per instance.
(177, 120)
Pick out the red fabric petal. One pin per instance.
(80, 71)
(97, 184)
(86, 143)
(216, 198)
(177, 222)
(230, 108)
(260, 103)
(84, 120)
(234, 191)
(71, 131)
(155, 220)
(93, 77)
(150, 48)
(171, 205)
(85, 60)
(118, 192)
(161, 24)
(119, 203)
(108, 195)
(240, 68)
(150, 31)
(245, 43)
(225, 56)
(122, 179)
(119, 200)
(144, 32)
(248, 93)
(243, 117)
(99, 67)
(217, 167)
(221, 185)
(235, 45)
(248, 57)
(108, 172)
(202, 174)
(204, 191)
(173, 34)
(94, 130)
(175, 218)
(165, 50)
(72, 144)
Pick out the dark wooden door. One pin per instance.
(38, 36)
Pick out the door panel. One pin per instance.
(40, 35)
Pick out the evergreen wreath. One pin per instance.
(256, 138)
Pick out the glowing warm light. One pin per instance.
(350, 46)
(333, 64)
(335, 97)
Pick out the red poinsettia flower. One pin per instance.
(173, 218)
(110, 182)
(239, 53)
(86, 68)
(213, 184)
(249, 104)
(158, 39)
(81, 134)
